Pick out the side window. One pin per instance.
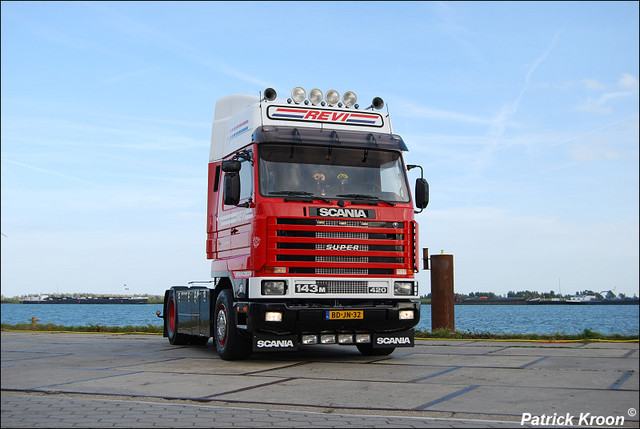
(246, 180)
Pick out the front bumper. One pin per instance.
(310, 319)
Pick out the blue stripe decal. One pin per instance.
(361, 121)
(280, 115)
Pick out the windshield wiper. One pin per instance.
(366, 197)
(302, 194)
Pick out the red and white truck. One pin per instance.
(310, 230)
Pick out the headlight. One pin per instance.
(274, 287)
(403, 288)
(273, 316)
(309, 339)
(405, 315)
(363, 338)
(327, 339)
(345, 339)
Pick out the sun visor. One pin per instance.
(324, 137)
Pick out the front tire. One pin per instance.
(231, 344)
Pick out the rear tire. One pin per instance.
(171, 322)
(231, 344)
(368, 350)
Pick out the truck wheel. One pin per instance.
(171, 320)
(368, 350)
(230, 343)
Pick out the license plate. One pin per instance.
(341, 315)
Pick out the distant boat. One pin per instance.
(580, 299)
(45, 299)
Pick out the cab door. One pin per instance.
(236, 217)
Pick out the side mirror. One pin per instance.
(231, 187)
(422, 193)
(231, 166)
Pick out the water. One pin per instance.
(495, 319)
(541, 319)
(83, 314)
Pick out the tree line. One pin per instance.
(528, 294)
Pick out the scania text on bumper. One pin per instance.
(279, 343)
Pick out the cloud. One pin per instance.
(499, 123)
(590, 153)
(593, 84)
(408, 109)
(626, 87)
(49, 172)
(143, 32)
(628, 81)
(632, 119)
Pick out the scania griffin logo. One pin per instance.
(274, 343)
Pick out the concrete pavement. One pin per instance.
(94, 380)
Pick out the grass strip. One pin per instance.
(91, 328)
(585, 336)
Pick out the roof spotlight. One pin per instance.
(332, 96)
(349, 98)
(315, 96)
(298, 94)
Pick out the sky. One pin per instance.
(524, 116)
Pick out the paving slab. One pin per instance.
(217, 366)
(166, 385)
(593, 353)
(534, 378)
(459, 349)
(340, 393)
(356, 372)
(538, 401)
(588, 363)
(40, 377)
(466, 359)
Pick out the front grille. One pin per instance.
(342, 271)
(339, 247)
(341, 234)
(344, 286)
(352, 259)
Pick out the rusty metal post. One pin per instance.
(442, 295)
(425, 258)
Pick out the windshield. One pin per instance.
(331, 172)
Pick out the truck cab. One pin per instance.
(310, 230)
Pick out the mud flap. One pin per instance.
(274, 343)
(394, 339)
